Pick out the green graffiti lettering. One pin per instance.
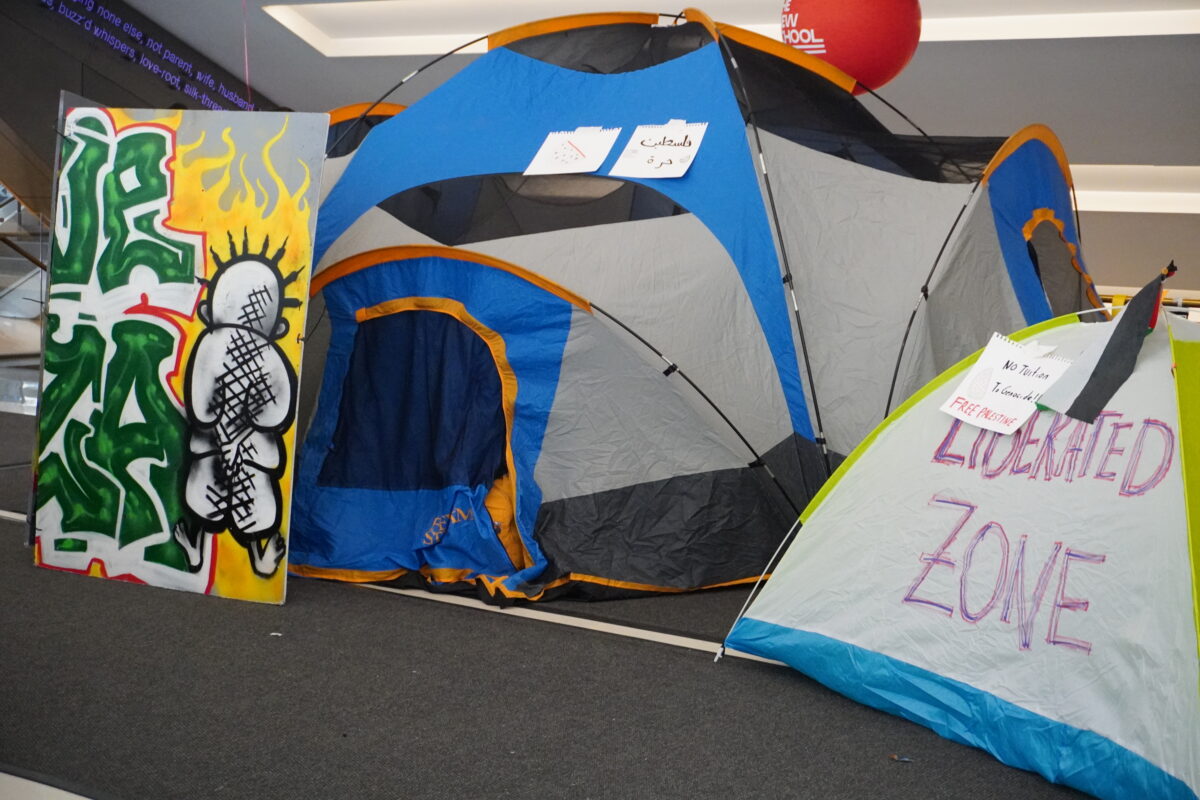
(111, 436)
(129, 170)
(72, 369)
(135, 195)
(84, 154)
(159, 436)
(88, 497)
(93, 479)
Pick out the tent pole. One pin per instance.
(1078, 224)
(921, 131)
(785, 263)
(673, 368)
(354, 125)
(754, 590)
(924, 297)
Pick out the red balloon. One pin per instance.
(870, 40)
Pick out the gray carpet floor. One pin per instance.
(133, 692)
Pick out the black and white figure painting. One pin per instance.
(240, 395)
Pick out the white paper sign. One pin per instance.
(580, 150)
(1000, 392)
(660, 151)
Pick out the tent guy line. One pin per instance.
(627, 631)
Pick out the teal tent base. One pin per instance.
(1061, 753)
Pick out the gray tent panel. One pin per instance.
(332, 170)
(617, 421)
(970, 295)
(1056, 263)
(373, 230)
(860, 242)
(634, 270)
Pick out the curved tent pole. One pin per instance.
(673, 368)
(373, 257)
(783, 249)
(925, 296)
(690, 14)
(426, 66)
(775, 215)
(919, 130)
(1078, 224)
(312, 328)
(1011, 145)
(784, 261)
(389, 92)
(757, 587)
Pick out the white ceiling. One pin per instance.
(1129, 101)
(416, 27)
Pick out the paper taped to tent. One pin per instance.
(634, 384)
(1032, 594)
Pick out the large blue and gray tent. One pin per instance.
(544, 380)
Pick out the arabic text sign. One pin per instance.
(660, 151)
(580, 150)
(1001, 390)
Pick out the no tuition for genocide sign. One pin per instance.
(1001, 391)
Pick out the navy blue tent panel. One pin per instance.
(461, 399)
(430, 420)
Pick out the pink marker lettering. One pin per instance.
(943, 454)
(1128, 486)
(1001, 573)
(1016, 594)
(1062, 602)
(1111, 450)
(939, 557)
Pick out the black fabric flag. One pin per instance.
(1119, 357)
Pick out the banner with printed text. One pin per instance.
(181, 258)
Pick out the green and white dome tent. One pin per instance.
(1032, 594)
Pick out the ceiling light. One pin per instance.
(1136, 188)
(1062, 26)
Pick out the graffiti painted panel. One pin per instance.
(182, 247)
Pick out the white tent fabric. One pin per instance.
(1029, 594)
